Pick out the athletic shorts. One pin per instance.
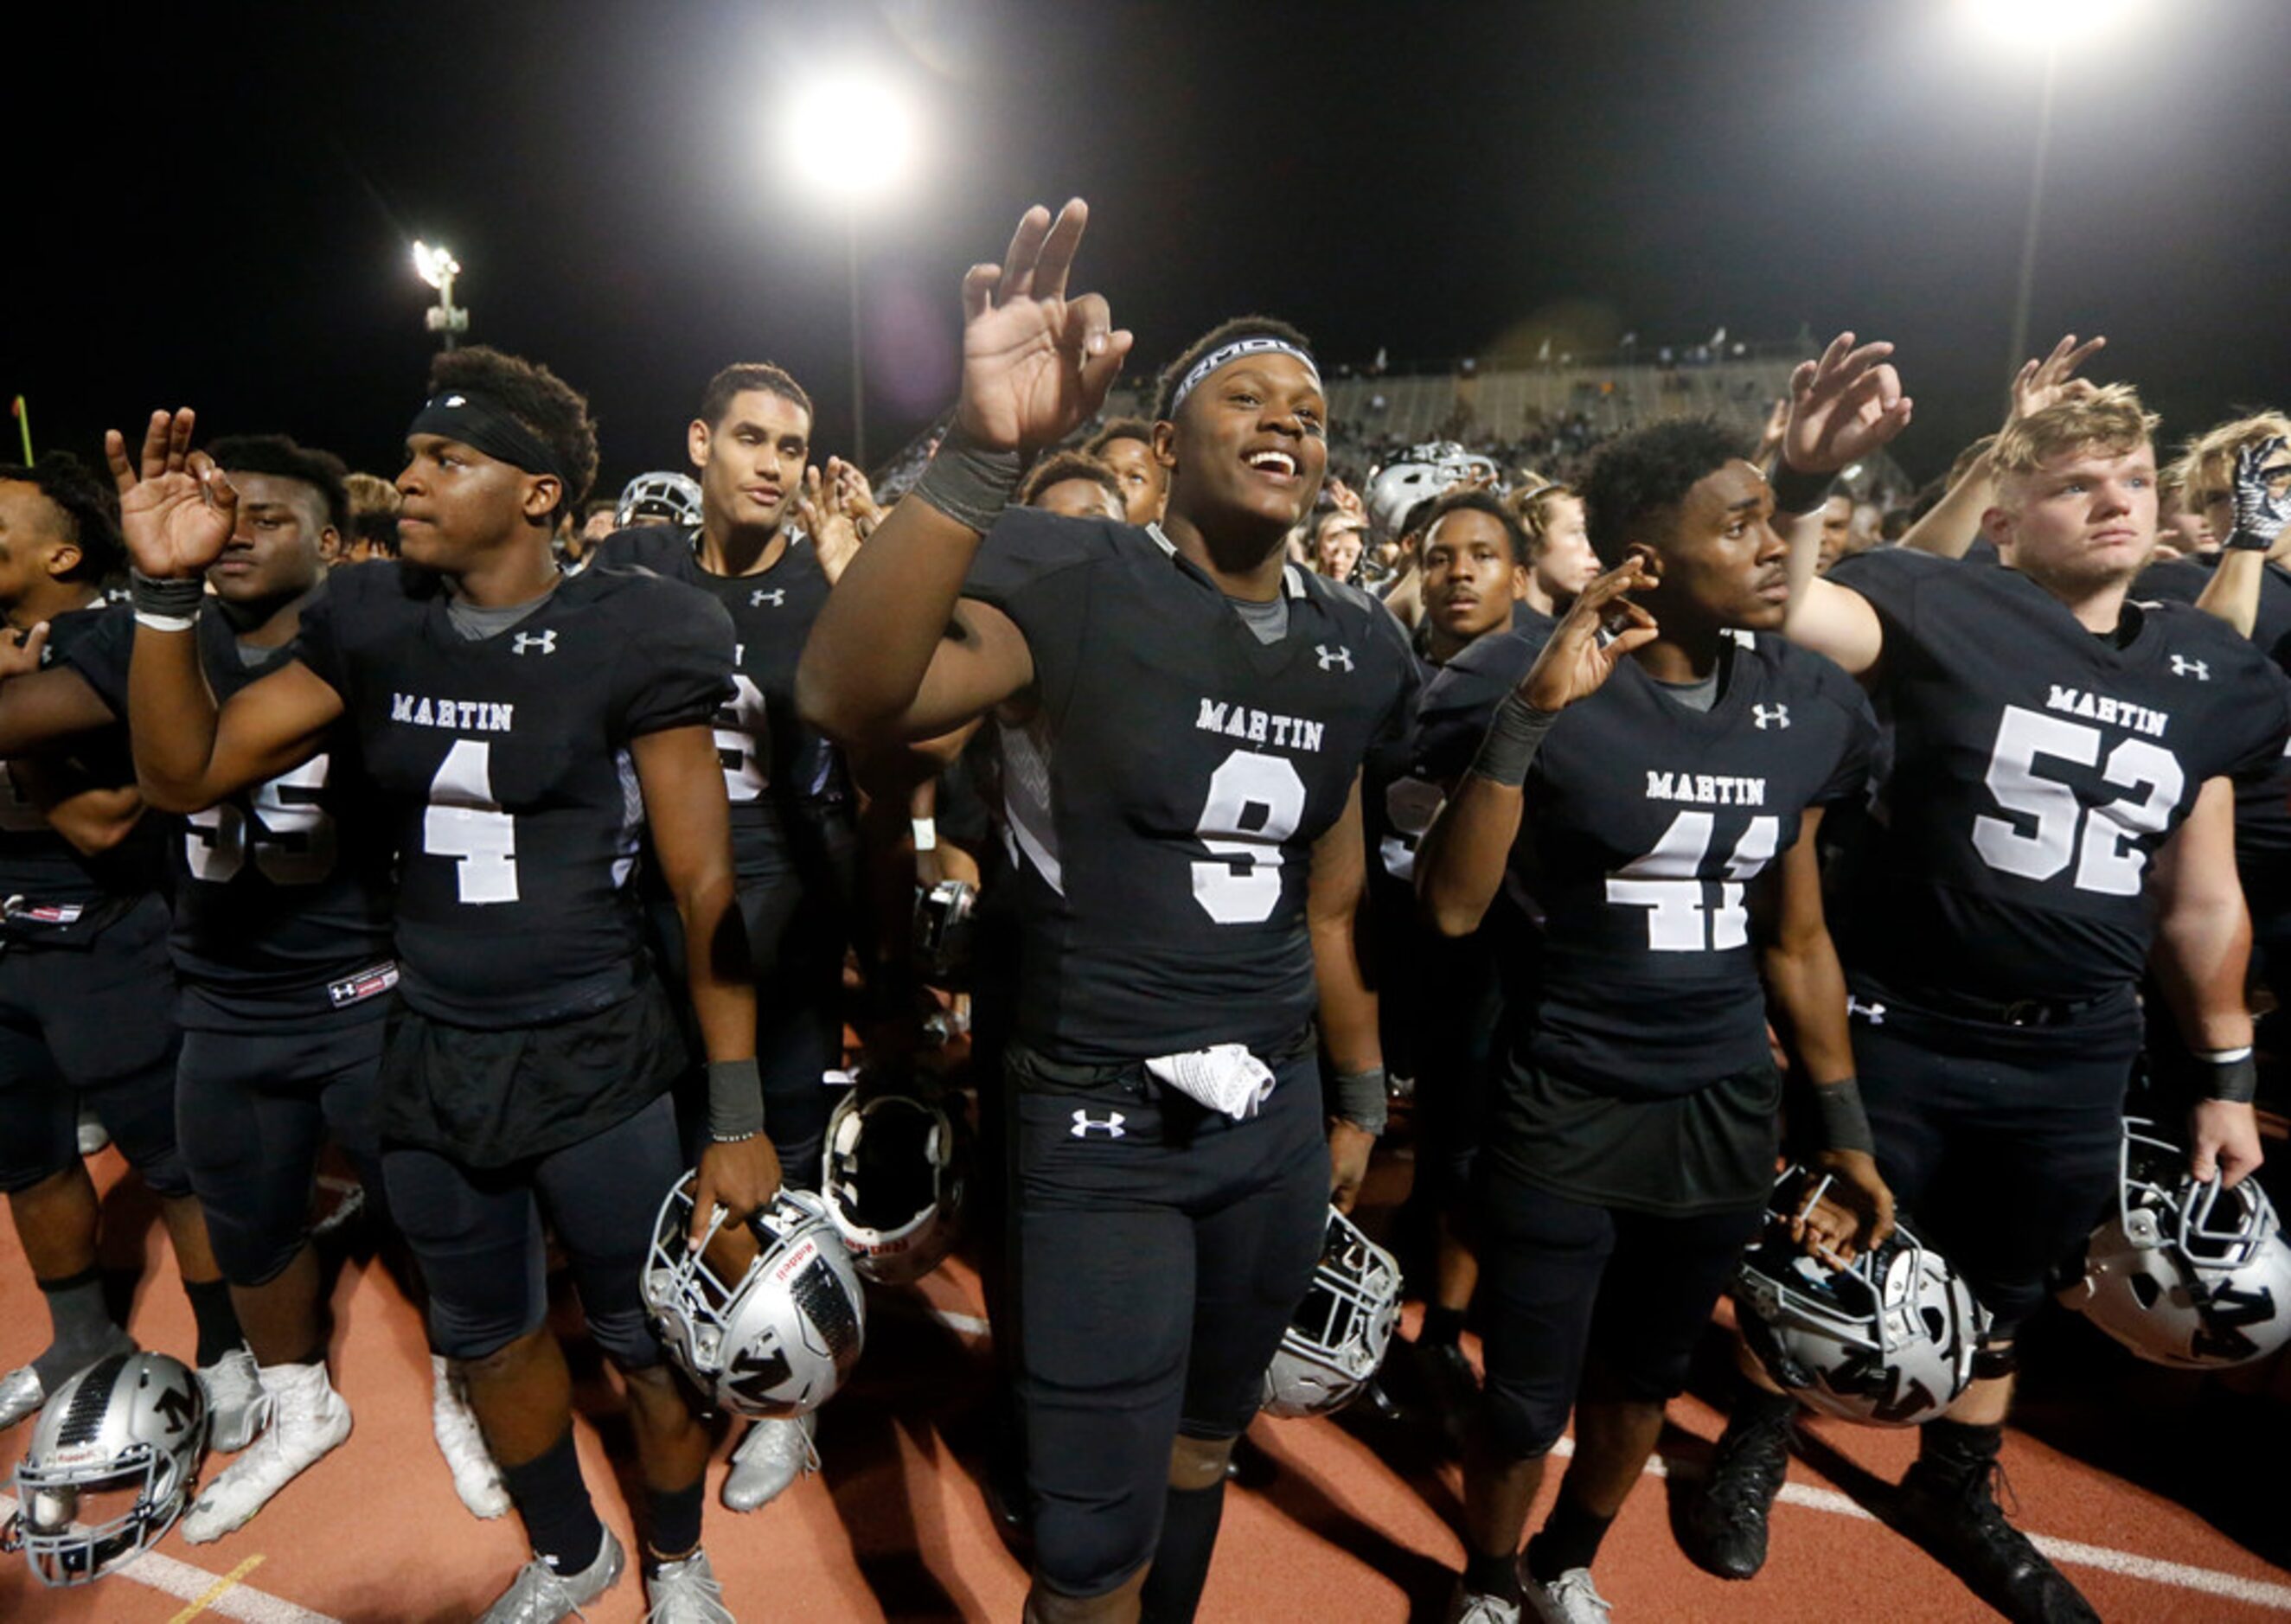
(253, 1110)
(1161, 1248)
(2002, 1144)
(92, 1024)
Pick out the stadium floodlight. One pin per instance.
(849, 134)
(2051, 25)
(438, 267)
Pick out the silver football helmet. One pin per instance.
(2193, 1275)
(1418, 472)
(1336, 1337)
(1888, 1340)
(659, 498)
(894, 1179)
(778, 1338)
(114, 1457)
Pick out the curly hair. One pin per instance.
(550, 408)
(1648, 472)
(277, 454)
(1240, 326)
(89, 507)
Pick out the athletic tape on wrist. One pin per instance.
(1799, 493)
(1363, 1099)
(166, 604)
(735, 1101)
(2229, 1074)
(968, 484)
(1516, 732)
(1844, 1123)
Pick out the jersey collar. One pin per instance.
(1293, 579)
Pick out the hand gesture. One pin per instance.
(834, 538)
(854, 496)
(1345, 498)
(1842, 407)
(2263, 496)
(2047, 382)
(178, 515)
(1348, 1149)
(741, 1177)
(1770, 438)
(1850, 1211)
(20, 655)
(1575, 662)
(2223, 1141)
(1035, 362)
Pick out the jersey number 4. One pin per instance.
(464, 821)
(1682, 915)
(2059, 830)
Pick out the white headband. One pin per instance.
(1227, 354)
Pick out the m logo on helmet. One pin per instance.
(178, 1406)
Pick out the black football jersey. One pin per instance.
(2036, 769)
(1645, 823)
(503, 767)
(1163, 801)
(2262, 800)
(774, 766)
(282, 892)
(57, 892)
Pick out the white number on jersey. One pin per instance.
(1409, 804)
(464, 821)
(2106, 859)
(291, 835)
(741, 731)
(1681, 915)
(1255, 802)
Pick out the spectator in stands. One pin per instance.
(1126, 445)
(1077, 486)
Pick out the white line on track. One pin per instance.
(188, 1583)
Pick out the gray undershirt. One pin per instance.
(477, 624)
(1694, 695)
(1269, 620)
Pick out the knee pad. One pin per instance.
(471, 1335)
(1522, 1426)
(167, 1174)
(625, 1337)
(1082, 1554)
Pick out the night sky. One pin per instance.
(213, 203)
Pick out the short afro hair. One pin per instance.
(1477, 499)
(744, 376)
(548, 408)
(1062, 466)
(279, 456)
(1223, 333)
(90, 509)
(1119, 428)
(1649, 471)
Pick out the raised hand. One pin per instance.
(1035, 361)
(1575, 662)
(2047, 382)
(1842, 407)
(1770, 438)
(2263, 496)
(1345, 498)
(854, 496)
(834, 538)
(178, 512)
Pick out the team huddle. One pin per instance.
(1746, 922)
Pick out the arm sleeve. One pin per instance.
(676, 667)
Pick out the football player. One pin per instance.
(512, 726)
(1126, 445)
(1077, 486)
(793, 840)
(1183, 716)
(86, 993)
(2059, 813)
(1637, 777)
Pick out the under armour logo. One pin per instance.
(455, 400)
(1111, 1126)
(1331, 658)
(1875, 1014)
(1769, 716)
(546, 642)
(773, 596)
(2196, 668)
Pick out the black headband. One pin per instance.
(484, 424)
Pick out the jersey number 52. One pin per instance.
(2058, 829)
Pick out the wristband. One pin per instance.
(169, 605)
(968, 484)
(926, 833)
(1799, 493)
(1361, 1099)
(735, 1101)
(2229, 1074)
(1516, 732)
(2247, 541)
(1844, 1124)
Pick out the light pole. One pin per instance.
(850, 135)
(438, 267)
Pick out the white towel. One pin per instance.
(1224, 1077)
